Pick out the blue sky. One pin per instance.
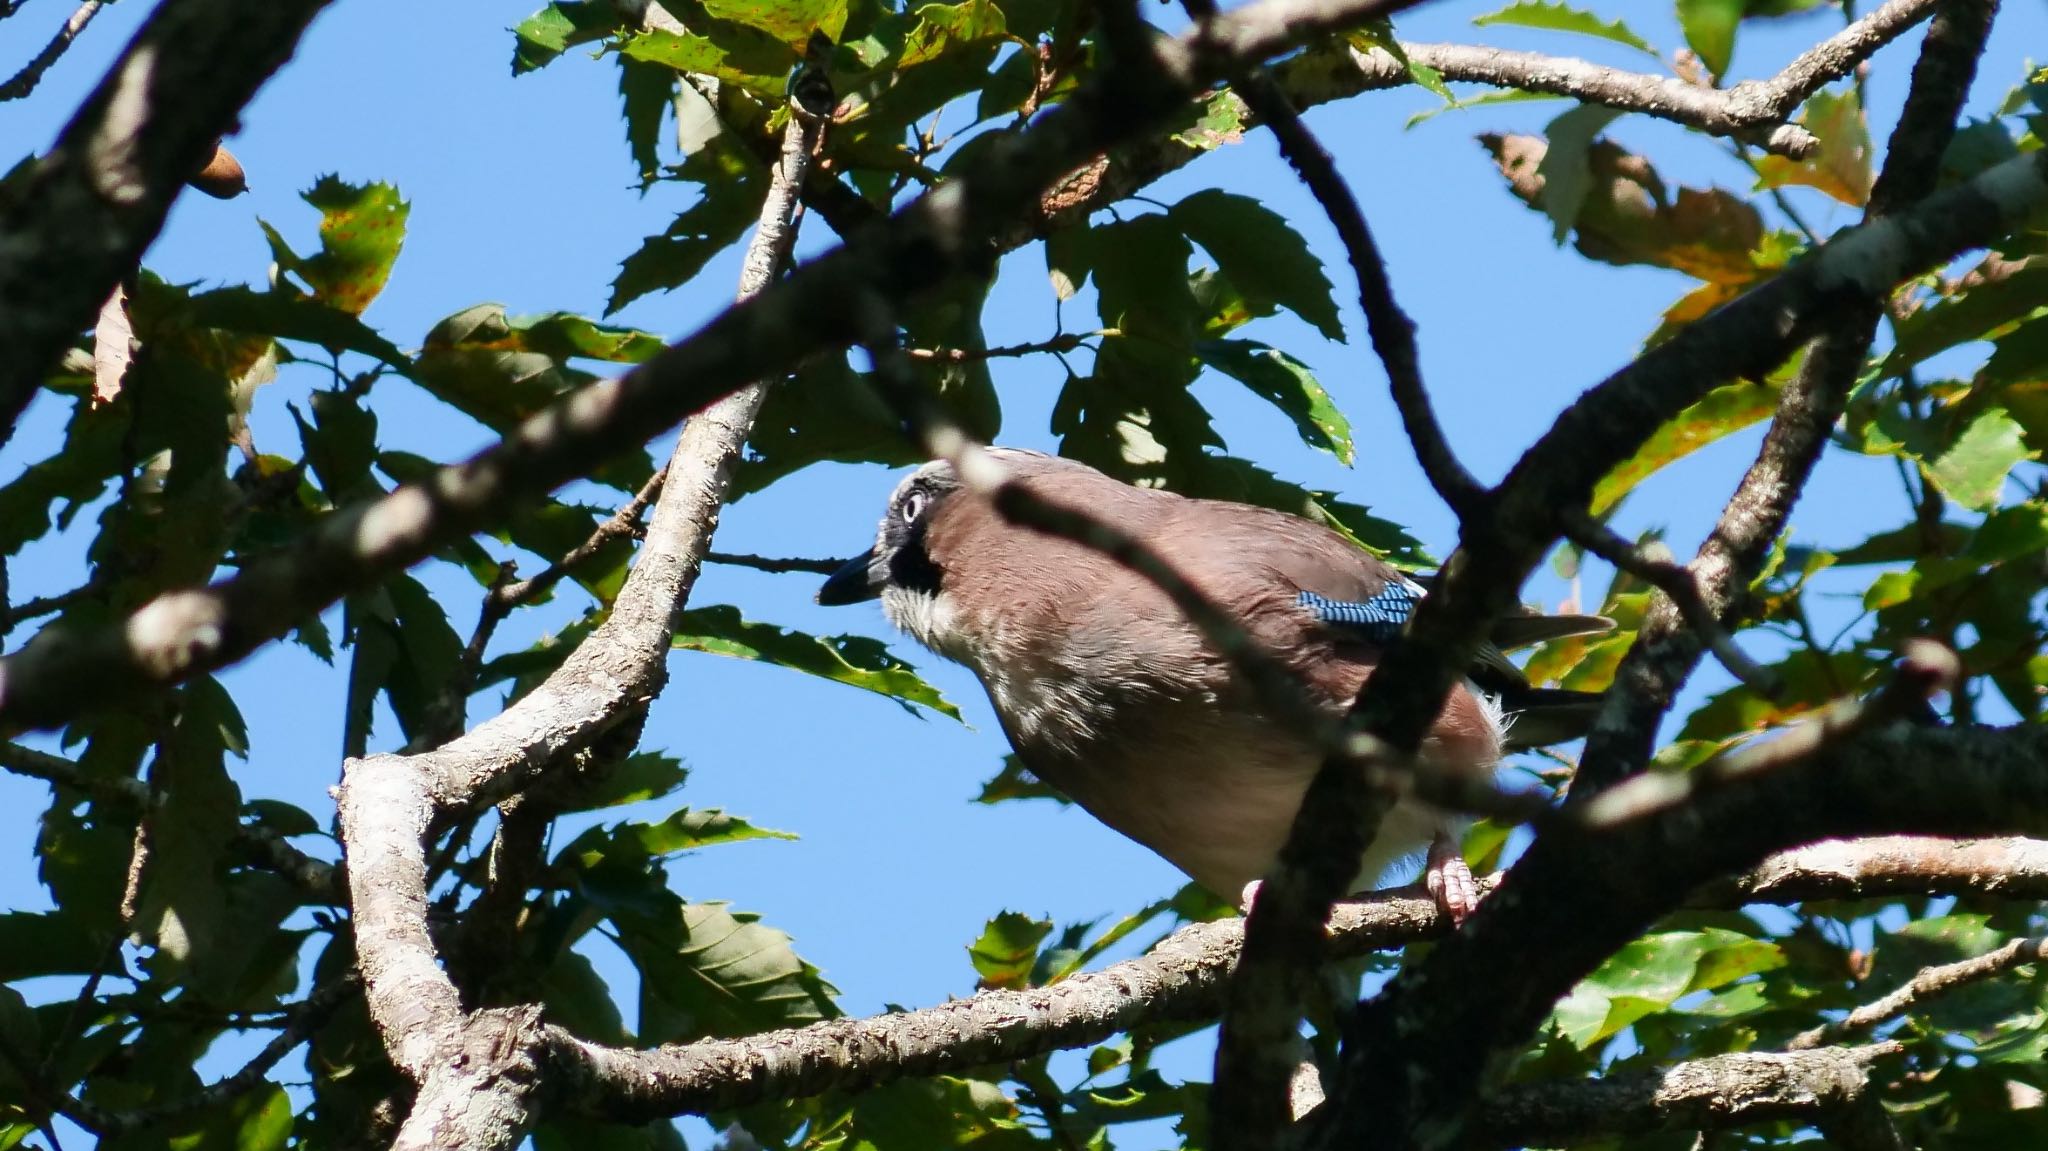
(522, 193)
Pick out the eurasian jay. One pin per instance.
(1110, 695)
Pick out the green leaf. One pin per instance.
(687, 830)
(2021, 353)
(1264, 257)
(790, 21)
(1015, 781)
(1972, 469)
(1718, 414)
(1482, 100)
(1007, 949)
(1651, 973)
(545, 35)
(849, 659)
(1287, 384)
(752, 59)
(259, 1120)
(362, 227)
(641, 776)
(708, 227)
(1566, 173)
(1709, 27)
(1557, 17)
(288, 317)
(645, 94)
(709, 971)
(1809, 681)
(1976, 314)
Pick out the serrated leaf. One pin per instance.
(642, 776)
(707, 970)
(1558, 17)
(1264, 257)
(362, 228)
(1007, 948)
(1718, 414)
(752, 59)
(545, 35)
(1015, 781)
(646, 92)
(708, 227)
(687, 830)
(790, 21)
(1972, 469)
(855, 660)
(1287, 384)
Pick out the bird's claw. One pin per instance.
(1450, 880)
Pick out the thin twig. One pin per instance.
(1929, 982)
(31, 74)
(1653, 564)
(1925, 668)
(1065, 342)
(776, 565)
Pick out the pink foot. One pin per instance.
(1449, 880)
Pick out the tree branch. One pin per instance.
(1585, 889)
(479, 1073)
(1747, 337)
(1184, 979)
(1681, 586)
(1928, 983)
(945, 234)
(24, 82)
(257, 846)
(1665, 651)
(91, 205)
(1712, 1094)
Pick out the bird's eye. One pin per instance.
(913, 506)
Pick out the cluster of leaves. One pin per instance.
(160, 450)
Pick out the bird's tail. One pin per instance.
(1541, 716)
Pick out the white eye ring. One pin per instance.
(913, 506)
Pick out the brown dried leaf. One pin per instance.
(1629, 217)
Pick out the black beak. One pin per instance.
(861, 579)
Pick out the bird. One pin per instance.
(1111, 696)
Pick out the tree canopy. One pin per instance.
(1789, 889)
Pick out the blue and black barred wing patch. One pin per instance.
(1377, 620)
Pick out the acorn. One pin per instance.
(222, 177)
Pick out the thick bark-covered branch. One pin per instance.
(90, 206)
(1585, 890)
(947, 233)
(1183, 979)
(1704, 1095)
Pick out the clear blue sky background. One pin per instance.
(521, 193)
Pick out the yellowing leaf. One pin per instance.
(1841, 166)
(1720, 413)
